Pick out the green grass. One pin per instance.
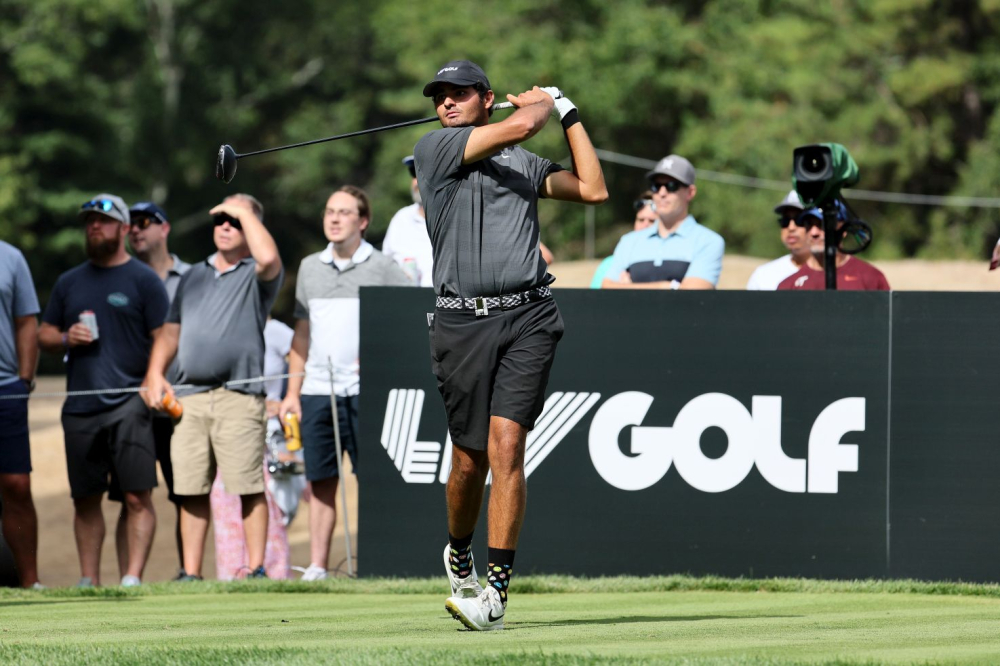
(551, 620)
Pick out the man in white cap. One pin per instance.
(793, 236)
(676, 253)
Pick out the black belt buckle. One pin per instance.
(533, 296)
(481, 309)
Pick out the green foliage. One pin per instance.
(134, 98)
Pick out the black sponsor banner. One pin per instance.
(725, 432)
(945, 437)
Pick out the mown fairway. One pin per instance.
(551, 620)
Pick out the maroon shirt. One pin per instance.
(855, 275)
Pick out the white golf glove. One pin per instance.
(563, 105)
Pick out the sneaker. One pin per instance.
(257, 573)
(483, 613)
(314, 572)
(86, 581)
(38, 586)
(464, 588)
(187, 578)
(130, 581)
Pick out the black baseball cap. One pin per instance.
(148, 209)
(459, 73)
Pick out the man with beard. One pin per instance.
(108, 435)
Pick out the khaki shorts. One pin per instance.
(219, 429)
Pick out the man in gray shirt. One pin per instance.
(18, 359)
(495, 328)
(147, 236)
(216, 330)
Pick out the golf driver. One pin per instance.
(225, 164)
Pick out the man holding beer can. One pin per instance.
(103, 316)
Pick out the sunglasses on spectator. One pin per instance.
(788, 217)
(100, 205)
(142, 223)
(222, 218)
(639, 204)
(671, 185)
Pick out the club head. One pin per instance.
(225, 164)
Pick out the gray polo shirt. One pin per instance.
(174, 275)
(328, 296)
(17, 299)
(482, 217)
(222, 318)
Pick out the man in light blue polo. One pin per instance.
(677, 253)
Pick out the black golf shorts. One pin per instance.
(494, 365)
(163, 430)
(118, 441)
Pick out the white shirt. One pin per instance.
(407, 243)
(768, 276)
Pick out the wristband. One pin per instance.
(572, 118)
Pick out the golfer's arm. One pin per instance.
(50, 338)
(262, 247)
(585, 184)
(297, 357)
(517, 127)
(164, 348)
(26, 339)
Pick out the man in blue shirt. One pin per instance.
(108, 435)
(676, 253)
(18, 358)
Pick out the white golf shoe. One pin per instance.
(483, 613)
(463, 588)
(314, 573)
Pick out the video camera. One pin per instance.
(819, 172)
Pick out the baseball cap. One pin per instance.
(148, 209)
(411, 165)
(792, 200)
(106, 204)
(674, 166)
(459, 73)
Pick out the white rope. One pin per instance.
(784, 186)
(139, 389)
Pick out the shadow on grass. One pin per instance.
(633, 619)
(50, 601)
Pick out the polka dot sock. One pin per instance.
(500, 570)
(460, 555)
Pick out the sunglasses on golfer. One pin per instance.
(671, 185)
(222, 218)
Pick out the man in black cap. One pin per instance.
(147, 236)
(495, 327)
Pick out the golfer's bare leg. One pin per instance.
(255, 527)
(322, 520)
(508, 495)
(140, 525)
(196, 510)
(464, 493)
(88, 527)
(20, 525)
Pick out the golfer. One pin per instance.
(494, 330)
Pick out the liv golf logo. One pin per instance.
(754, 439)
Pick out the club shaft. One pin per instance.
(408, 123)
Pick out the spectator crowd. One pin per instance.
(162, 332)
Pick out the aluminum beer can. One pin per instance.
(89, 319)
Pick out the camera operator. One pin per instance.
(853, 274)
